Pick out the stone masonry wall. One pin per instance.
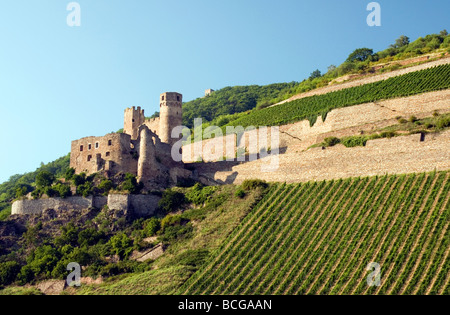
(110, 152)
(22, 207)
(340, 122)
(136, 205)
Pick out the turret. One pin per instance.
(170, 115)
(133, 118)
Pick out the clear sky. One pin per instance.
(61, 83)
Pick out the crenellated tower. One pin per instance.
(170, 115)
(133, 119)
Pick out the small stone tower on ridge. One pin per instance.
(133, 118)
(170, 116)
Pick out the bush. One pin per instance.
(121, 245)
(62, 190)
(85, 189)
(131, 185)
(177, 232)
(251, 184)
(151, 227)
(412, 119)
(171, 200)
(171, 220)
(240, 193)
(443, 123)
(106, 185)
(355, 141)
(332, 141)
(44, 179)
(199, 195)
(388, 134)
(8, 272)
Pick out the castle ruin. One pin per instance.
(143, 149)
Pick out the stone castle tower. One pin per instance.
(133, 118)
(170, 116)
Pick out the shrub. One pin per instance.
(198, 195)
(355, 141)
(44, 179)
(388, 134)
(171, 200)
(443, 123)
(332, 141)
(402, 121)
(69, 174)
(8, 272)
(151, 227)
(106, 185)
(79, 179)
(412, 119)
(121, 245)
(171, 220)
(62, 190)
(240, 193)
(85, 189)
(131, 185)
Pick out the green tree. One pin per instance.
(121, 245)
(171, 200)
(361, 54)
(8, 272)
(316, 74)
(131, 185)
(401, 41)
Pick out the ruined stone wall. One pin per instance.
(135, 205)
(133, 118)
(22, 207)
(110, 153)
(400, 155)
(340, 122)
(153, 124)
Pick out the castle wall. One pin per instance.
(133, 118)
(111, 153)
(135, 205)
(341, 122)
(22, 207)
(153, 124)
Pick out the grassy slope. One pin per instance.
(318, 238)
(213, 225)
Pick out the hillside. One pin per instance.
(318, 238)
(221, 105)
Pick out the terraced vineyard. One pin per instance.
(319, 238)
(432, 79)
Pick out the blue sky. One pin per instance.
(61, 83)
